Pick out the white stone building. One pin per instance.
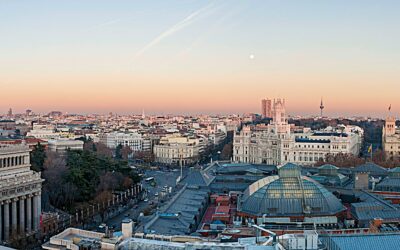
(275, 144)
(217, 137)
(391, 138)
(44, 132)
(20, 193)
(62, 145)
(174, 148)
(133, 140)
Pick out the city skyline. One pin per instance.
(136, 111)
(199, 124)
(192, 57)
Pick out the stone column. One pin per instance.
(6, 220)
(36, 212)
(14, 222)
(39, 206)
(29, 213)
(22, 215)
(1, 220)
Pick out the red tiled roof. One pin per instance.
(222, 209)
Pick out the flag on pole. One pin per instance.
(370, 151)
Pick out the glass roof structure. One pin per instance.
(289, 194)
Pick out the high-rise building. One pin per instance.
(266, 108)
(20, 193)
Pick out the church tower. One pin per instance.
(279, 121)
(390, 126)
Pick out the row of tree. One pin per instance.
(81, 176)
(349, 160)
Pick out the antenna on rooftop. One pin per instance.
(321, 106)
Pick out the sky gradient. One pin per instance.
(200, 56)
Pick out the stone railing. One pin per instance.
(11, 148)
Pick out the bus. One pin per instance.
(149, 179)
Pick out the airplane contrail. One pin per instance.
(200, 38)
(110, 22)
(176, 27)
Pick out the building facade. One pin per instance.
(133, 140)
(62, 145)
(175, 148)
(266, 108)
(275, 144)
(20, 189)
(41, 131)
(391, 139)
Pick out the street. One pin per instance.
(156, 191)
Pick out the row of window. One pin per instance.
(12, 161)
(316, 146)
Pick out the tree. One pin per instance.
(380, 158)
(89, 145)
(341, 160)
(110, 181)
(102, 150)
(82, 176)
(83, 172)
(60, 192)
(125, 152)
(38, 156)
(102, 198)
(127, 183)
(118, 152)
(227, 151)
(145, 156)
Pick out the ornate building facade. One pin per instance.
(174, 149)
(391, 138)
(275, 144)
(20, 193)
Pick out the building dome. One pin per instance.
(289, 194)
(328, 170)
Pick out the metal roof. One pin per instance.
(186, 209)
(362, 242)
(389, 184)
(371, 168)
(289, 195)
(328, 166)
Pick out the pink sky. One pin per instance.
(200, 56)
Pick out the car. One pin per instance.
(156, 194)
(102, 227)
(146, 200)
